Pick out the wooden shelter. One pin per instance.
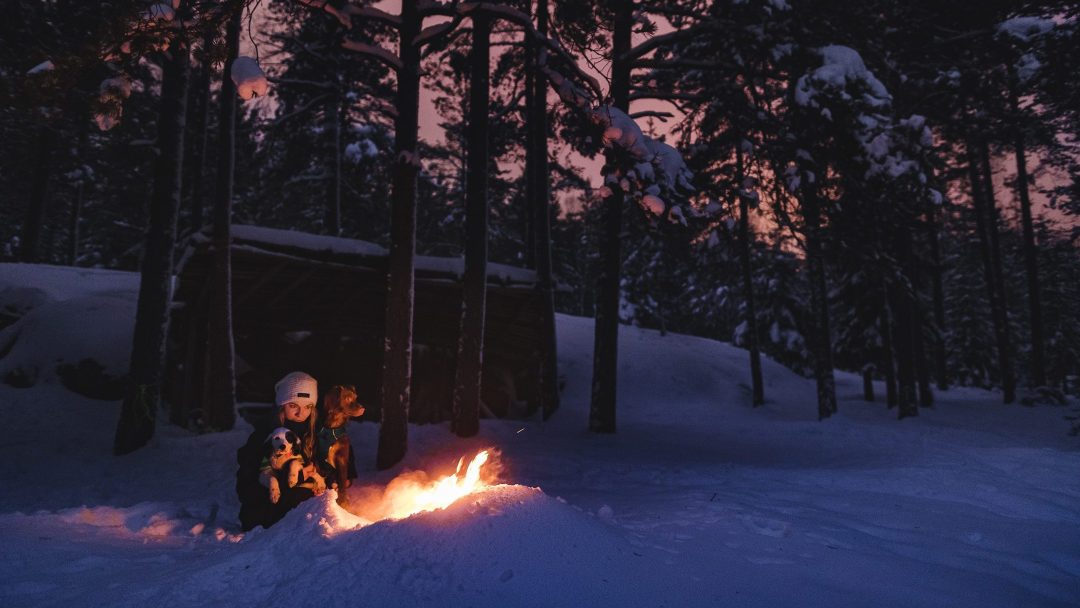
(316, 303)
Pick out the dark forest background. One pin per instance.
(827, 224)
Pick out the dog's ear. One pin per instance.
(332, 399)
(292, 438)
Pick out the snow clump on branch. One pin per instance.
(111, 95)
(658, 169)
(44, 66)
(160, 12)
(840, 66)
(1025, 28)
(249, 78)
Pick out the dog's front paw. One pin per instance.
(275, 490)
(294, 473)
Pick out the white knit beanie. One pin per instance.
(296, 387)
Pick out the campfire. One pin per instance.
(416, 492)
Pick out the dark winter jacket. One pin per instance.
(255, 506)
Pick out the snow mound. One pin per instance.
(84, 342)
(501, 546)
(69, 324)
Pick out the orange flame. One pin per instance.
(405, 499)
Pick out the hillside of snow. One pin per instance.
(697, 500)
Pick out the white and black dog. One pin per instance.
(282, 455)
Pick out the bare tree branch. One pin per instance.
(657, 41)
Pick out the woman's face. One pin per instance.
(296, 412)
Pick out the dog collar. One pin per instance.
(327, 437)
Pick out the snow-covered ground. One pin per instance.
(698, 500)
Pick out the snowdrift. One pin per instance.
(67, 325)
(506, 545)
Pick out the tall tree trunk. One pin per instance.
(334, 113)
(219, 400)
(984, 227)
(541, 223)
(906, 325)
(397, 346)
(606, 342)
(745, 240)
(918, 317)
(940, 363)
(199, 137)
(819, 309)
(888, 358)
(905, 374)
(76, 220)
(139, 410)
(1031, 254)
(528, 218)
(80, 194)
(37, 205)
(922, 368)
(1008, 374)
(470, 353)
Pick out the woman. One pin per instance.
(295, 398)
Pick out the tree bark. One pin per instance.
(334, 113)
(905, 375)
(37, 205)
(940, 362)
(1008, 374)
(78, 201)
(979, 195)
(606, 337)
(922, 368)
(888, 359)
(199, 134)
(745, 243)
(76, 220)
(138, 413)
(528, 219)
(397, 346)
(819, 309)
(219, 400)
(470, 353)
(1031, 253)
(541, 223)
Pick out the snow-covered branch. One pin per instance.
(433, 33)
(389, 59)
(368, 12)
(325, 5)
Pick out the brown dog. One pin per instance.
(334, 450)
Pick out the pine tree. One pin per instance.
(138, 413)
(470, 352)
